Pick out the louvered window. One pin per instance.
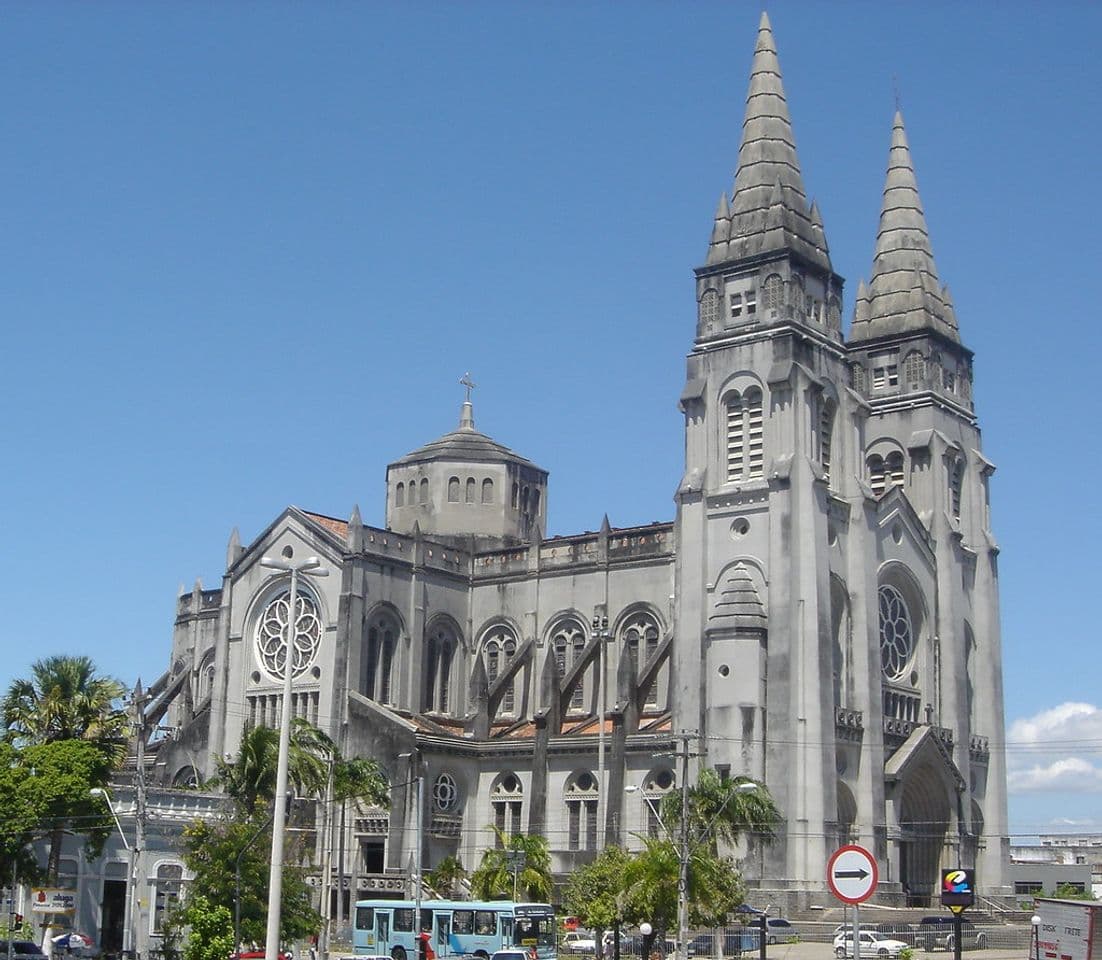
(826, 435)
(956, 482)
(745, 436)
(735, 437)
(772, 294)
(858, 378)
(893, 464)
(755, 433)
(709, 310)
(914, 369)
(875, 468)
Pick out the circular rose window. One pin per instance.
(896, 633)
(271, 632)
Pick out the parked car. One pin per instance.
(732, 943)
(511, 954)
(578, 941)
(939, 933)
(873, 944)
(779, 930)
(895, 930)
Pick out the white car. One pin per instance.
(577, 942)
(873, 944)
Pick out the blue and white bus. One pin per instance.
(453, 927)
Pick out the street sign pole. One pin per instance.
(852, 876)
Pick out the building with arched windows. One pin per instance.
(821, 612)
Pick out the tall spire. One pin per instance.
(904, 292)
(766, 159)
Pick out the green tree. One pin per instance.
(650, 887)
(211, 852)
(493, 879)
(724, 809)
(446, 877)
(595, 893)
(65, 701)
(209, 929)
(250, 778)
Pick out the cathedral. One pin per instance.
(820, 615)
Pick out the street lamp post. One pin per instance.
(1035, 923)
(311, 566)
(747, 786)
(128, 920)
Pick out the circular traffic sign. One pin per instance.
(852, 874)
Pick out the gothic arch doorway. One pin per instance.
(924, 820)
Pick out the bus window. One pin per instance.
(463, 921)
(443, 931)
(485, 923)
(365, 918)
(506, 929)
(426, 920)
(403, 919)
(384, 931)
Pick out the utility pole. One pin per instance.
(139, 938)
(683, 855)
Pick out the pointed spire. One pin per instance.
(902, 251)
(767, 156)
(355, 538)
(233, 548)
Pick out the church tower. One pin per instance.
(764, 393)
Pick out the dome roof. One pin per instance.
(466, 445)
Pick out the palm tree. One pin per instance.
(250, 777)
(446, 877)
(725, 809)
(494, 878)
(64, 699)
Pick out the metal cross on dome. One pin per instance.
(467, 382)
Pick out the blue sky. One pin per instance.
(248, 249)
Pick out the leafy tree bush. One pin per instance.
(209, 930)
(493, 879)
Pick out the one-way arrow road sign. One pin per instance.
(852, 874)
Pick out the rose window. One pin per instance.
(271, 643)
(896, 633)
(445, 794)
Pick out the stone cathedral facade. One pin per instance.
(821, 612)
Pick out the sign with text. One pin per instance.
(52, 900)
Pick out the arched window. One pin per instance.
(453, 490)
(834, 313)
(167, 884)
(897, 637)
(487, 490)
(499, 649)
(439, 656)
(656, 787)
(639, 635)
(516, 496)
(378, 661)
(708, 311)
(582, 793)
(507, 801)
(745, 435)
(400, 495)
(874, 467)
(772, 295)
(826, 434)
(568, 641)
(471, 489)
(893, 464)
(536, 502)
(424, 490)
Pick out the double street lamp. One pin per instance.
(312, 567)
(746, 786)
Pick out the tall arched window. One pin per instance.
(568, 641)
(745, 435)
(378, 661)
(709, 311)
(893, 464)
(874, 467)
(487, 490)
(772, 295)
(826, 434)
(507, 801)
(400, 495)
(656, 787)
(470, 491)
(639, 636)
(582, 792)
(439, 657)
(453, 490)
(424, 490)
(914, 370)
(897, 635)
(166, 885)
(499, 649)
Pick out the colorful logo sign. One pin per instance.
(958, 888)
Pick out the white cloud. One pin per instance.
(1056, 750)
